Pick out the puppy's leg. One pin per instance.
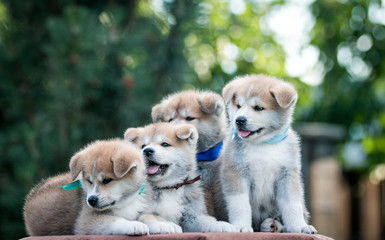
(158, 225)
(290, 203)
(97, 224)
(196, 219)
(236, 195)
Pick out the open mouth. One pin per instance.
(244, 133)
(154, 168)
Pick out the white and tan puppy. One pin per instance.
(206, 111)
(169, 150)
(112, 197)
(261, 172)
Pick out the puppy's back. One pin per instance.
(50, 210)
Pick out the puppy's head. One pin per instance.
(111, 171)
(204, 110)
(259, 106)
(168, 149)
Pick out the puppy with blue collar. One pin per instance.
(206, 111)
(261, 168)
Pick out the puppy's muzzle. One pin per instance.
(93, 201)
(241, 121)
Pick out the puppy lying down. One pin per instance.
(113, 196)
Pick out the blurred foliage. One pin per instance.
(77, 70)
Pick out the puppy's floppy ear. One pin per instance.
(122, 165)
(132, 134)
(229, 90)
(187, 132)
(284, 94)
(76, 165)
(157, 113)
(211, 103)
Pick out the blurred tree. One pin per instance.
(78, 70)
(68, 70)
(351, 38)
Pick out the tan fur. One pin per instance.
(207, 109)
(50, 210)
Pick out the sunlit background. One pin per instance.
(79, 70)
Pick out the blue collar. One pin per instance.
(210, 154)
(276, 139)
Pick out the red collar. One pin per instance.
(185, 182)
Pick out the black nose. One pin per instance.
(240, 121)
(148, 152)
(93, 200)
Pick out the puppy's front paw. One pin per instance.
(271, 225)
(164, 228)
(221, 226)
(308, 229)
(125, 227)
(137, 228)
(242, 228)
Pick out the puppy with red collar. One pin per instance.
(169, 151)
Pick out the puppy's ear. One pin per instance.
(211, 103)
(187, 132)
(122, 165)
(157, 113)
(228, 91)
(284, 94)
(132, 134)
(76, 165)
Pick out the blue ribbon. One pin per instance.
(72, 186)
(210, 154)
(278, 138)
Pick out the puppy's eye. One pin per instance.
(143, 146)
(188, 118)
(106, 180)
(89, 181)
(258, 108)
(164, 144)
(238, 106)
(170, 120)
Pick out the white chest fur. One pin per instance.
(169, 204)
(131, 209)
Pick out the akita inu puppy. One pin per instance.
(112, 175)
(261, 171)
(206, 111)
(169, 151)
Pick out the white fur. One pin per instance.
(122, 226)
(270, 182)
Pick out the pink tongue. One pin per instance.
(153, 169)
(243, 134)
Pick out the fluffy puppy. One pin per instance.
(50, 210)
(261, 171)
(169, 151)
(114, 195)
(204, 110)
